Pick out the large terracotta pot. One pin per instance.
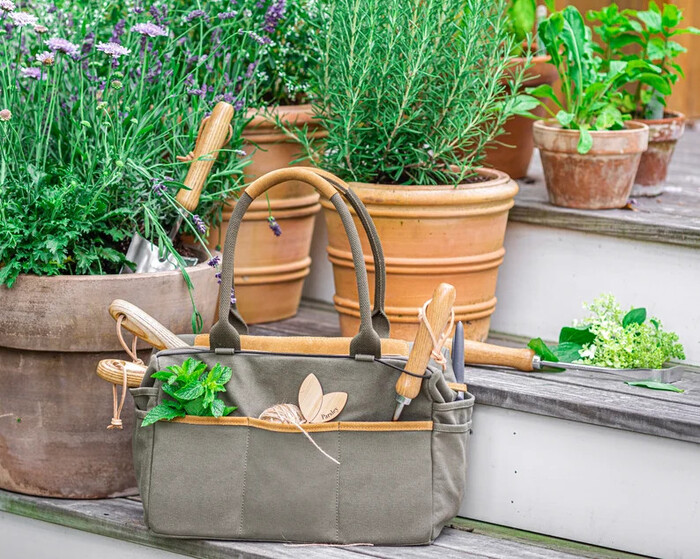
(653, 167)
(54, 409)
(511, 151)
(600, 179)
(430, 234)
(269, 270)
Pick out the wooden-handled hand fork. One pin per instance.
(437, 315)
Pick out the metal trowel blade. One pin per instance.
(145, 255)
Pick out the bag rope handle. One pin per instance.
(438, 343)
(118, 403)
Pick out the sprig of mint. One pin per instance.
(193, 391)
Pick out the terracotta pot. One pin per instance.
(269, 270)
(600, 179)
(54, 409)
(511, 151)
(429, 234)
(653, 167)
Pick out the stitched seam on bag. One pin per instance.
(377, 426)
(337, 495)
(245, 480)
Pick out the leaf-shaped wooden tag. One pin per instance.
(332, 405)
(310, 397)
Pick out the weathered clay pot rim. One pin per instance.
(263, 122)
(632, 127)
(675, 115)
(109, 277)
(496, 179)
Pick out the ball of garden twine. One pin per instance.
(289, 414)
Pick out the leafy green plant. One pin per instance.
(591, 88)
(610, 337)
(522, 16)
(193, 391)
(647, 35)
(412, 92)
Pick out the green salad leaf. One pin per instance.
(654, 385)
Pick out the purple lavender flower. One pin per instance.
(276, 229)
(88, 43)
(273, 15)
(20, 19)
(118, 31)
(158, 187)
(159, 15)
(137, 10)
(57, 44)
(238, 105)
(240, 152)
(7, 6)
(150, 29)
(233, 296)
(258, 38)
(199, 224)
(32, 73)
(251, 69)
(214, 262)
(227, 15)
(46, 58)
(115, 50)
(195, 14)
(217, 275)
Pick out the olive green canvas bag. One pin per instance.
(360, 478)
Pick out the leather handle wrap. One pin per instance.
(224, 334)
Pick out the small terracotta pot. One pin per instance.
(600, 179)
(269, 270)
(54, 409)
(653, 167)
(429, 234)
(511, 151)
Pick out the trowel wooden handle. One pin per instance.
(478, 353)
(438, 315)
(211, 139)
(143, 325)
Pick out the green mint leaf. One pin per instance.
(229, 409)
(654, 385)
(161, 412)
(225, 375)
(581, 336)
(190, 391)
(195, 407)
(163, 375)
(635, 316)
(217, 408)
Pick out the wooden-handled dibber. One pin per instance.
(438, 315)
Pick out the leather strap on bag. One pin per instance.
(225, 334)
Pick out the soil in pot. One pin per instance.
(54, 408)
(511, 151)
(599, 179)
(429, 234)
(270, 270)
(653, 167)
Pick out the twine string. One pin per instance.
(118, 403)
(438, 343)
(290, 414)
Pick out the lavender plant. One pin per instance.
(411, 92)
(96, 101)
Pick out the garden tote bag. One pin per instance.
(358, 478)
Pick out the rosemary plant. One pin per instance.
(411, 91)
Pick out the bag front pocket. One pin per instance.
(197, 479)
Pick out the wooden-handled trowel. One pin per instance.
(212, 136)
(437, 315)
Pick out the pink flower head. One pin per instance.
(46, 58)
(150, 29)
(33, 73)
(7, 6)
(20, 19)
(5, 115)
(115, 50)
(40, 29)
(63, 45)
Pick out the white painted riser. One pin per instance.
(607, 487)
(548, 273)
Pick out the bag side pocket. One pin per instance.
(452, 423)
